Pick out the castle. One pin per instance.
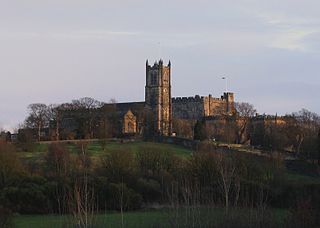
(155, 115)
(159, 114)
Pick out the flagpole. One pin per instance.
(226, 80)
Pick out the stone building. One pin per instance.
(158, 102)
(198, 107)
(155, 115)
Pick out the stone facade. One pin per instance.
(198, 107)
(154, 116)
(158, 101)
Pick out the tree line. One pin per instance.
(297, 133)
(84, 118)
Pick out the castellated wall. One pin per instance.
(188, 107)
(198, 107)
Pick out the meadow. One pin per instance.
(164, 217)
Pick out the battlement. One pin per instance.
(197, 98)
(157, 64)
(267, 117)
(217, 98)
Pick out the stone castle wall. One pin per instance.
(188, 107)
(198, 107)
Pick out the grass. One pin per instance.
(206, 217)
(96, 150)
(131, 219)
(301, 179)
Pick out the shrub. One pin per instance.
(5, 217)
(123, 198)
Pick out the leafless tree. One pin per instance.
(86, 103)
(306, 126)
(82, 199)
(227, 170)
(89, 107)
(55, 116)
(38, 117)
(244, 113)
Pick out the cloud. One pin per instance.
(292, 39)
(287, 31)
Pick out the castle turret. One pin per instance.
(158, 99)
(229, 98)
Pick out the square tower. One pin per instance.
(158, 99)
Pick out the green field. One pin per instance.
(131, 219)
(185, 217)
(97, 150)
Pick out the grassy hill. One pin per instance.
(99, 149)
(297, 171)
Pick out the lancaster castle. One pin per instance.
(156, 114)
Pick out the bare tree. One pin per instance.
(82, 198)
(38, 117)
(55, 116)
(89, 107)
(227, 169)
(306, 124)
(244, 113)
(87, 103)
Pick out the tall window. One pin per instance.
(153, 78)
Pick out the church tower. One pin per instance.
(158, 99)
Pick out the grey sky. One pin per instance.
(56, 51)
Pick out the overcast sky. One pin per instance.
(53, 51)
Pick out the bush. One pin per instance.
(150, 189)
(5, 217)
(30, 196)
(152, 161)
(122, 197)
(10, 165)
(304, 215)
(119, 166)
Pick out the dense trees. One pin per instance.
(47, 120)
(183, 128)
(296, 133)
(54, 115)
(87, 118)
(10, 165)
(38, 117)
(200, 132)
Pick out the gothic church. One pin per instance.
(155, 115)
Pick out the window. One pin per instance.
(153, 77)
